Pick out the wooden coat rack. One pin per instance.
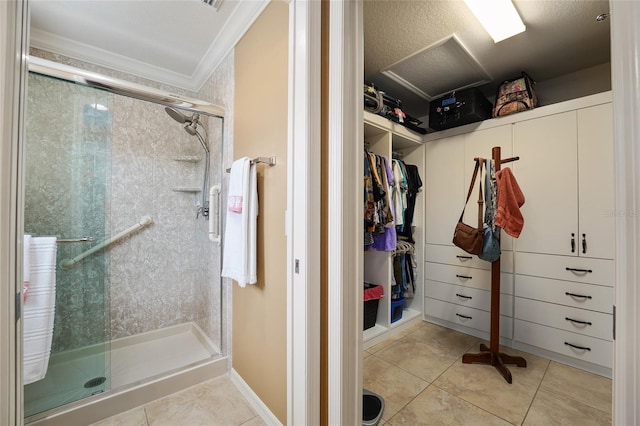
(492, 355)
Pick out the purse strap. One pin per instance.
(479, 161)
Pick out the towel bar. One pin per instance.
(270, 161)
(76, 240)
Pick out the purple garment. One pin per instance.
(386, 241)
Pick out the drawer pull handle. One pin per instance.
(464, 316)
(577, 347)
(578, 321)
(464, 297)
(464, 257)
(583, 271)
(581, 296)
(466, 277)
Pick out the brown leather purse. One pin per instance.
(466, 237)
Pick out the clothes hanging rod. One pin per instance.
(270, 161)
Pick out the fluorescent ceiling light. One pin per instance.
(498, 17)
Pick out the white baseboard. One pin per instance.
(253, 399)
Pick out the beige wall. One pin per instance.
(260, 129)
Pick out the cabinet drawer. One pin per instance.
(468, 277)
(589, 323)
(594, 350)
(568, 293)
(452, 255)
(559, 267)
(467, 296)
(468, 317)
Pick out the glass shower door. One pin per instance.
(67, 184)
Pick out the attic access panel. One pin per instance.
(438, 69)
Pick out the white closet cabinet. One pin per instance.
(384, 137)
(566, 173)
(457, 285)
(555, 302)
(564, 271)
(444, 188)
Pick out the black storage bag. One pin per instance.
(459, 108)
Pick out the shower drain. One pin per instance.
(96, 381)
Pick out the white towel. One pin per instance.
(39, 308)
(239, 257)
(25, 266)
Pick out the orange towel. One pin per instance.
(510, 199)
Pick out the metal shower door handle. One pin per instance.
(214, 218)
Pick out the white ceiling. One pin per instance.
(561, 37)
(180, 42)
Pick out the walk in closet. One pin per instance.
(557, 278)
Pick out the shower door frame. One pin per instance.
(92, 80)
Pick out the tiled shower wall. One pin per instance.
(165, 274)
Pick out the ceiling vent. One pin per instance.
(438, 69)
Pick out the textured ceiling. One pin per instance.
(562, 37)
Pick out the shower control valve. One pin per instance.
(203, 210)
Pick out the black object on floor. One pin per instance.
(372, 408)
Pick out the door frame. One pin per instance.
(303, 214)
(625, 77)
(13, 70)
(345, 369)
(345, 206)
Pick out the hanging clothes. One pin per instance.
(510, 199)
(399, 193)
(378, 213)
(414, 183)
(386, 240)
(404, 271)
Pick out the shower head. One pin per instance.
(176, 115)
(190, 123)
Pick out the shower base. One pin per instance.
(138, 368)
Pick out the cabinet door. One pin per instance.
(547, 174)
(444, 188)
(596, 186)
(480, 144)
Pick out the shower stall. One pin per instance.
(124, 189)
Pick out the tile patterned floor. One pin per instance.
(423, 381)
(212, 403)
